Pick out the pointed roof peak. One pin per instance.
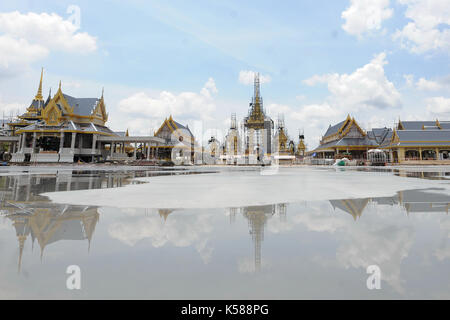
(39, 92)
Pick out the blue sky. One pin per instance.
(375, 59)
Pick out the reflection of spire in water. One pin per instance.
(353, 206)
(164, 213)
(257, 217)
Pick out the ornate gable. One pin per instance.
(51, 114)
(395, 138)
(60, 100)
(352, 130)
(100, 110)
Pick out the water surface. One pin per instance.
(306, 249)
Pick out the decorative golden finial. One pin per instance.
(127, 134)
(170, 118)
(59, 84)
(39, 93)
(103, 90)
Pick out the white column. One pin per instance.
(94, 143)
(72, 142)
(33, 146)
(134, 153)
(21, 142)
(61, 142)
(148, 151)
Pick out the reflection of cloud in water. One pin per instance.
(317, 217)
(443, 252)
(247, 265)
(384, 240)
(161, 229)
(376, 242)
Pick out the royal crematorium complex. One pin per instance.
(66, 129)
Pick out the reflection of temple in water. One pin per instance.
(414, 201)
(257, 217)
(52, 224)
(34, 217)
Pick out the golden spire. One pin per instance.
(59, 85)
(39, 93)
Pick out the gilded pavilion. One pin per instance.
(301, 146)
(61, 128)
(178, 142)
(345, 138)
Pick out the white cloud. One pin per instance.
(17, 54)
(9, 109)
(26, 38)
(246, 77)
(367, 87)
(364, 16)
(428, 85)
(48, 30)
(438, 105)
(274, 109)
(186, 105)
(378, 122)
(315, 111)
(429, 28)
(425, 84)
(409, 79)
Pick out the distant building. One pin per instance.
(233, 143)
(258, 128)
(283, 148)
(301, 146)
(345, 138)
(416, 141)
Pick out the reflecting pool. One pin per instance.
(289, 249)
